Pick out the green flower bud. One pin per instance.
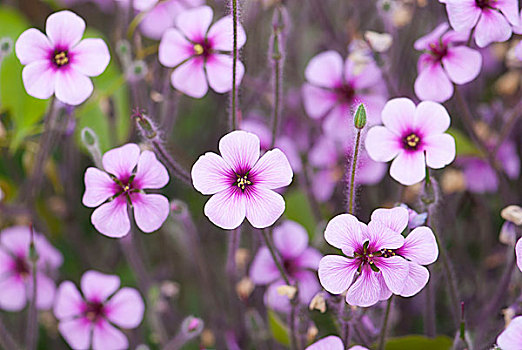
(360, 117)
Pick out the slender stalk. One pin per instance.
(32, 312)
(277, 62)
(430, 329)
(174, 168)
(234, 67)
(233, 246)
(6, 339)
(270, 247)
(384, 328)
(292, 319)
(352, 175)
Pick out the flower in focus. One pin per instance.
(413, 136)
(415, 219)
(444, 63)
(88, 320)
(16, 277)
(334, 88)
(492, 19)
(298, 260)
(332, 342)
(241, 183)
(127, 173)
(200, 53)
(511, 337)
(60, 62)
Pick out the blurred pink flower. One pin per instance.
(332, 342)
(241, 183)
(16, 269)
(201, 55)
(492, 19)
(61, 63)
(298, 260)
(415, 219)
(88, 320)
(511, 337)
(444, 63)
(334, 88)
(121, 184)
(413, 136)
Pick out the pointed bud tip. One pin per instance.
(359, 120)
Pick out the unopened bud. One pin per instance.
(244, 288)
(192, 326)
(318, 303)
(311, 333)
(90, 141)
(287, 291)
(178, 208)
(123, 48)
(169, 289)
(6, 46)
(512, 213)
(508, 234)
(379, 42)
(136, 71)
(359, 120)
(146, 126)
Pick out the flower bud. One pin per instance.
(6, 46)
(136, 71)
(123, 48)
(318, 303)
(512, 213)
(191, 327)
(288, 291)
(145, 125)
(244, 288)
(90, 141)
(360, 117)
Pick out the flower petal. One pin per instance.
(219, 72)
(396, 218)
(194, 23)
(263, 207)
(408, 168)
(420, 246)
(509, 9)
(272, 170)
(274, 300)
(290, 239)
(491, 27)
(381, 144)
(327, 343)
(317, 101)
(325, 69)
(45, 291)
(394, 271)
(518, 252)
(72, 87)
(112, 218)
(368, 77)
(226, 209)
(336, 273)
(190, 79)
(345, 232)
(462, 14)
(64, 29)
(366, 290)
(32, 45)
(431, 118)
(423, 43)
(240, 149)
(263, 269)
(510, 338)
(462, 64)
(68, 302)
(76, 332)
(398, 115)
(121, 161)
(174, 48)
(309, 259)
(97, 286)
(39, 79)
(107, 337)
(440, 150)
(150, 211)
(220, 35)
(16, 240)
(211, 174)
(125, 308)
(91, 57)
(418, 277)
(12, 294)
(383, 237)
(98, 187)
(151, 173)
(433, 84)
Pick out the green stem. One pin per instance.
(384, 328)
(270, 247)
(354, 168)
(234, 66)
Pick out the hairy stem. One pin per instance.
(384, 328)
(277, 62)
(353, 171)
(175, 169)
(234, 67)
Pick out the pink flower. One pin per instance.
(127, 173)
(332, 343)
(492, 19)
(380, 261)
(241, 183)
(413, 136)
(16, 269)
(444, 63)
(298, 260)
(201, 55)
(335, 88)
(61, 63)
(511, 338)
(88, 319)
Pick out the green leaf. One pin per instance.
(415, 342)
(298, 209)
(278, 328)
(464, 145)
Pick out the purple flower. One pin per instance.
(492, 19)
(413, 136)
(332, 343)
(16, 269)
(201, 55)
(335, 87)
(380, 261)
(298, 260)
(444, 63)
(127, 173)
(241, 183)
(88, 319)
(511, 338)
(61, 63)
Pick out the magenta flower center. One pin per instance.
(21, 267)
(202, 48)
(94, 310)
(60, 58)
(345, 93)
(438, 51)
(366, 255)
(483, 3)
(411, 141)
(290, 267)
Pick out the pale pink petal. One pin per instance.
(156, 21)
(290, 239)
(462, 14)
(272, 170)
(97, 286)
(6, 263)
(151, 173)
(263, 207)
(174, 48)
(190, 78)
(462, 64)
(274, 300)
(107, 337)
(510, 338)
(289, 148)
(98, 187)
(76, 332)
(418, 277)
(263, 269)
(385, 291)
(256, 126)
(358, 347)
(374, 103)
(337, 125)
(32, 45)
(366, 290)
(381, 144)
(12, 293)
(317, 101)
(309, 259)
(518, 252)
(226, 209)
(90, 57)
(112, 218)
(420, 246)
(308, 286)
(398, 115)
(121, 161)
(394, 271)
(433, 37)
(440, 150)
(344, 232)
(433, 84)
(324, 153)
(369, 76)
(72, 87)
(431, 118)
(50, 257)
(39, 79)
(323, 184)
(220, 35)
(150, 211)
(408, 168)
(336, 273)
(383, 237)
(16, 239)
(510, 10)
(325, 69)
(211, 174)
(64, 29)
(396, 218)
(194, 23)
(219, 72)
(45, 291)
(68, 302)
(328, 343)
(240, 149)
(491, 27)
(125, 309)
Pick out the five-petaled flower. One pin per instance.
(127, 173)
(297, 259)
(413, 136)
(511, 337)
(444, 63)
(87, 320)
(61, 63)
(16, 269)
(241, 183)
(201, 55)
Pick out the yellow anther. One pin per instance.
(61, 58)
(198, 49)
(412, 140)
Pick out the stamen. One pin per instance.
(61, 58)
(198, 49)
(242, 182)
(411, 141)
